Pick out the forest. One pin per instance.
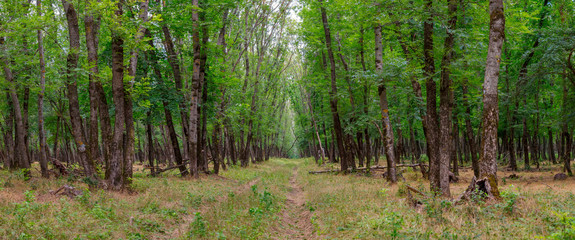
(287, 119)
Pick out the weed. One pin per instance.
(101, 213)
(395, 223)
(221, 236)
(169, 213)
(383, 192)
(193, 200)
(149, 225)
(199, 227)
(85, 199)
(136, 236)
(23, 174)
(151, 207)
(509, 200)
(92, 182)
(566, 225)
(478, 196)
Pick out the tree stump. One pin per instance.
(478, 189)
(560, 176)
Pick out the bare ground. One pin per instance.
(296, 218)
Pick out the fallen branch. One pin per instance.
(364, 168)
(67, 190)
(324, 171)
(159, 170)
(416, 191)
(61, 168)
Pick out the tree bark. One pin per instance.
(431, 123)
(117, 152)
(91, 28)
(490, 119)
(194, 100)
(149, 133)
(174, 63)
(43, 146)
(333, 92)
(21, 149)
(72, 85)
(167, 113)
(388, 138)
(446, 102)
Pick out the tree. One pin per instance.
(333, 92)
(490, 119)
(383, 104)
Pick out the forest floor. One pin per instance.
(278, 199)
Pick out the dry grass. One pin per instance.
(353, 207)
(167, 207)
(251, 204)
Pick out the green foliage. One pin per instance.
(193, 200)
(566, 227)
(199, 227)
(510, 198)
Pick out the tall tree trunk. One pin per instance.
(387, 135)
(365, 101)
(92, 26)
(333, 92)
(21, 149)
(565, 136)
(194, 100)
(469, 130)
(149, 133)
(167, 113)
(202, 129)
(174, 63)
(431, 123)
(446, 102)
(43, 146)
(551, 147)
(72, 85)
(117, 152)
(490, 119)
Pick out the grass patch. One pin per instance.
(246, 203)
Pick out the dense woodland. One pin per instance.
(92, 87)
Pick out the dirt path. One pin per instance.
(296, 218)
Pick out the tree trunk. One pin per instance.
(43, 146)
(565, 138)
(488, 157)
(387, 135)
(446, 102)
(431, 123)
(149, 133)
(174, 63)
(167, 113)
(72, 85)
(117, 152)
(333, 92)
(21, 149)
(92, 26)
(194, 100)
(203, 86)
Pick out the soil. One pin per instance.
(296, 217)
